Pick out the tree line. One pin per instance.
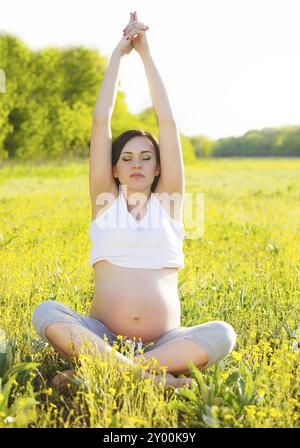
(47, 106)
(267, 142)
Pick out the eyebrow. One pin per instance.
(127, 152)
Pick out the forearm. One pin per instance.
(108, 91)
(158, 91)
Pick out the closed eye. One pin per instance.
(144, 158)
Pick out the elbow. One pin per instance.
(167, 120)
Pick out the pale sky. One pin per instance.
(228, 65)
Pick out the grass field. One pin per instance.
(244, 270)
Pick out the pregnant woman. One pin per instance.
(136, 250)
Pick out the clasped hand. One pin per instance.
(134, 36)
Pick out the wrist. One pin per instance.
(145, 54)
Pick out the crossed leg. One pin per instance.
(175, 355)
(57, 332)
(203, 344)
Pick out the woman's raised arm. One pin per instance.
(171, 158)
(108, 91)
(100, 169)
(101, 138)
(157, 89)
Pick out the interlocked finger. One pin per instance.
(134, 31)
(135, 25)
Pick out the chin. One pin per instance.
(137, 182)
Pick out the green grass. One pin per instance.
(245, 270)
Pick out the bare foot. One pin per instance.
(174, 382)
(188, 382)
(61, 380)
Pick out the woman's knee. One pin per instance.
(43, 309)
(227, 336)
(217, 338)
(47, 313)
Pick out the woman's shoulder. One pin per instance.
(104, 201)
(171, 203)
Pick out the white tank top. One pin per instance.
(154, 242)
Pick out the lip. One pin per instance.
(137, 175)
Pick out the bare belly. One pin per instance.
(140, 303)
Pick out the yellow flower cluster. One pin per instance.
(250, 411)
(237, 356)
(274, 412)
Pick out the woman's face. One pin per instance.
(137, 156)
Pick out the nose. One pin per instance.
(136, 163)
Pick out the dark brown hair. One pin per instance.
(119, 143)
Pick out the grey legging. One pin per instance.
(216, 337)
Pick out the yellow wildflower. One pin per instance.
(228, 417)
(225, 375)
(48, 391)
(114, 405)
(251, 411)
(154, 360)
(274, 412)
(236, 355)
